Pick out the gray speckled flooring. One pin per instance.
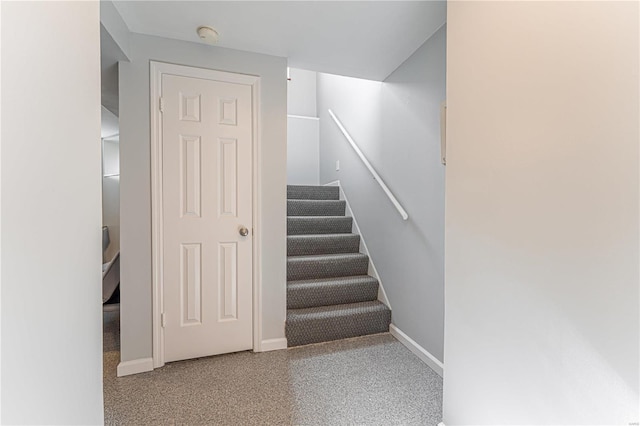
(371, 380)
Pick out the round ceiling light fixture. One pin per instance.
(208, 35)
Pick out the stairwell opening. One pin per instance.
(330, 295)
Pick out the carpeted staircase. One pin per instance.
(329, 294)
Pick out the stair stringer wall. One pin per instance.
(382, 296)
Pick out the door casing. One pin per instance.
(157, 69)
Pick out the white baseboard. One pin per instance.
(273, 345)
(418, 350)
(135, 366)
(441, 424)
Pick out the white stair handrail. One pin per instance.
(376, 176)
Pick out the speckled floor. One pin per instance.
(371, 380)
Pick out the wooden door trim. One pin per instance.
(156, 70)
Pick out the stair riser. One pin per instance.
(318, 225)
(313, 192)
(315, 208)
(321, 268)
(302, 245)
(309, 297)
(315, 330)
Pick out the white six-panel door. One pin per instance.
(206, 204)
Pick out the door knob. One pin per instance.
(243, 231)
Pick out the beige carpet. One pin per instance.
(371, 380)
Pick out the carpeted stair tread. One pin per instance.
(300, 245)
(331, 291)
(326, 266)
(306, 192)
(329, 294)
(325, 323)
(304, 225)
(316, 207)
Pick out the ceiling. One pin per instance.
(366, 39)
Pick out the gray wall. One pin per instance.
(51, 243)
(542, 213)
(396, 125)
(111, 20)
(135, 180)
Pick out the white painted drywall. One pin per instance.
(301, 93)
(396, 124)
(111, 194)
(303, 132)
(303, 162)
(111, 156)
(542, 213)
(135, 180)
(0, 214)
(108, 122)
(51, 239)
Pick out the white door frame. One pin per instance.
(157, 69)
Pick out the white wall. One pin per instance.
(135, 180)
(396, 124)
(111, 193)
(542, 213)
(303, 132)
(51, 243)
(301, 93)
(303, 152)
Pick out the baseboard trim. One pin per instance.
(273, 345)
(303, 117)
(418, 350)
(135, 366)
